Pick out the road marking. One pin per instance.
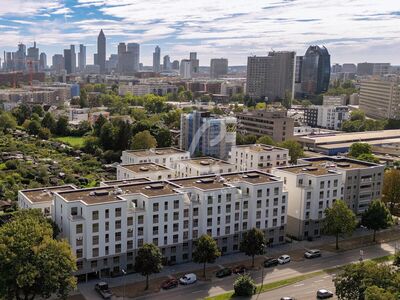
(198, 291)
(318, 280)
(327, 276)
(299, 284)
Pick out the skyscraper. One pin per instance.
(271, 76)
(218, 67)
(33, 57)
(67, 61)
(82, 57)
(195, 62)
(20, 58)
(134, 50)
(166, 63)
(101, 51)
(73, 59)
(175, 65)
(186, 68)
(58, 63)
(42, 61)
(156, 59)
(315, 70)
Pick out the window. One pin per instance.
(79, 253)
(228, 208)
(155, 207)
(165, 205)
(140, 243)
(95, 240)
(195, 212)
(176, 204)
(245, 204)
(118, 236)
(118, 212)
(118, 224)
(322, 184)
(227, 219)
(130, 221)
(259, 193)
(209, 200)
(107, 225)
(228, 197)
(79, 228)
(95, 227)
(118, 248)
(186, 213)
(155, 230)
(176, 227)
(276, 191)
(258, 215)
(155, 219)
(258, 203)
(155, 241)
(195, 222)
(95, 252)
(227, 230)
(129, 244)
(140, 219)
(245, 215)
(176, 216)
(209, 211)
(308, 195)
(95, 215)
(237, 206)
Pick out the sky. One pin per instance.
(352, 30)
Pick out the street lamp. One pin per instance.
(124, 275)
(361, 256)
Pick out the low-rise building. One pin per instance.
(202, 166)
(148, 170)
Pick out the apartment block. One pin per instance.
(311, 189)
(326, 116)
(273, 122)
(258, 156)
(152, 171)
(164, 156)
(115, 182)
(106, 225)
(363, 181)
(203, 166)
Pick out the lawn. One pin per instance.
(74, 141)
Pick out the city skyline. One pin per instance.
(211, 28)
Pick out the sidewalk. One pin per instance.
(296, 246)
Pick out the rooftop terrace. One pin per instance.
(144, 167)
(45, 194)
(156, 151)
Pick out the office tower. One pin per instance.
(101, 51)
(186, 69)
(218, 67)
(42, 61)
(82, 57)
(73, 59)
(33, 57)
(58, 63)
(8, 64)
(195, 62)
(380, 98)
(336, 68)
(271, 76)
(156, 59)
(349, 68)
(20, 58)
(112, 63)
(297, 75)
(67, 61)
(175, 65)
(315, 71)
(166, 63)
(96, 59)
(134, 49)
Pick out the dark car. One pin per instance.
(241, 269)
(324, 294)
(224, 272)
(103, 290)
(169, 283)
(270, 262)
(312, 253)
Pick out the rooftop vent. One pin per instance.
(207, 180)
(157, 186)
(253, 175)
(158, 152)
(144, 169)
(343, 165)
(311, 168)
(101, 193)
(204, 162)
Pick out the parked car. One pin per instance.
(270, 262)
(188, 279)
(169, 284)
(312, 253)
(288, 298)
(103, 289)
(223, 272)
(283, 259)
(240, 269)
(324, 294)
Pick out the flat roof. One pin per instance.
(260, 147)
(205, 161)
(308, 168)
(45, 194)
(339, 163)
(111, 194)
(145, 167)
(347, 145)
(156, 151)
(125, 181)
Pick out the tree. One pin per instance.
(253, 243)
(148, 261)
(357, 115)
(339, 220)
(391, 188)
(244, 286)
(62, 128)
(295, 150)
(396, 260)
(49, 122)
(83, 98)
(143, 140)
(377, 217)
(38, 109)
(377, 293)
(368, 158)
(356, 149)
(107, 136)
(44, 133)
(101, 120)
(33, 127)
(261, 105)
(7, 122)
(206, 251)
(32, 263)
(163, 137)
(266, 140)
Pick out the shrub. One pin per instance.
(396, 260)
(244, 286)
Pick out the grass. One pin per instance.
(74, 141)
(383, 259)
(270, 286)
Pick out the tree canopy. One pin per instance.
(295, 150)
(206, 251)
(143, 140)
(377, 217)
(253, 243)
(391, 188)
(148, 261)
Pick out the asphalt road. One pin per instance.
(328, 260)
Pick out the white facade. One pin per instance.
(164, 156)
(258, 156)
(202, 166)
(332, 117)
(151, 171)
(186, 69)
(78, 115)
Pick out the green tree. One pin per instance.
(148, 261)
(49, 122)
(163, 137)
(339, 220)
(101, 120)
(377, 293)
(21, 113)
(391, 188)
(206, 251)
(244, 286)
(38, 109)
(143, 140)
(44, 133)
(32, 263)
(62, 128)
(356, 149)
(253, 243)
(7, 122)
(396, 260)
(91, 145)
(368, 158)
(295, 150)
(266, 140)
(377, 217)
(357, 115)
(33, 127)
(107, 136)
(83, 98)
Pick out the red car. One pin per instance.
(240, 269)
(169, 284)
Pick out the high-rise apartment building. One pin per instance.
(157, 59)
(186, 68)
(315, 70)
(273, 122)
(349, 68)
(376, 69)
(218, 67)
(82, 57)
(101, 51)
(271, 76)
(207, 134)
(380, 98)
(175, 65)
(167, 63)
